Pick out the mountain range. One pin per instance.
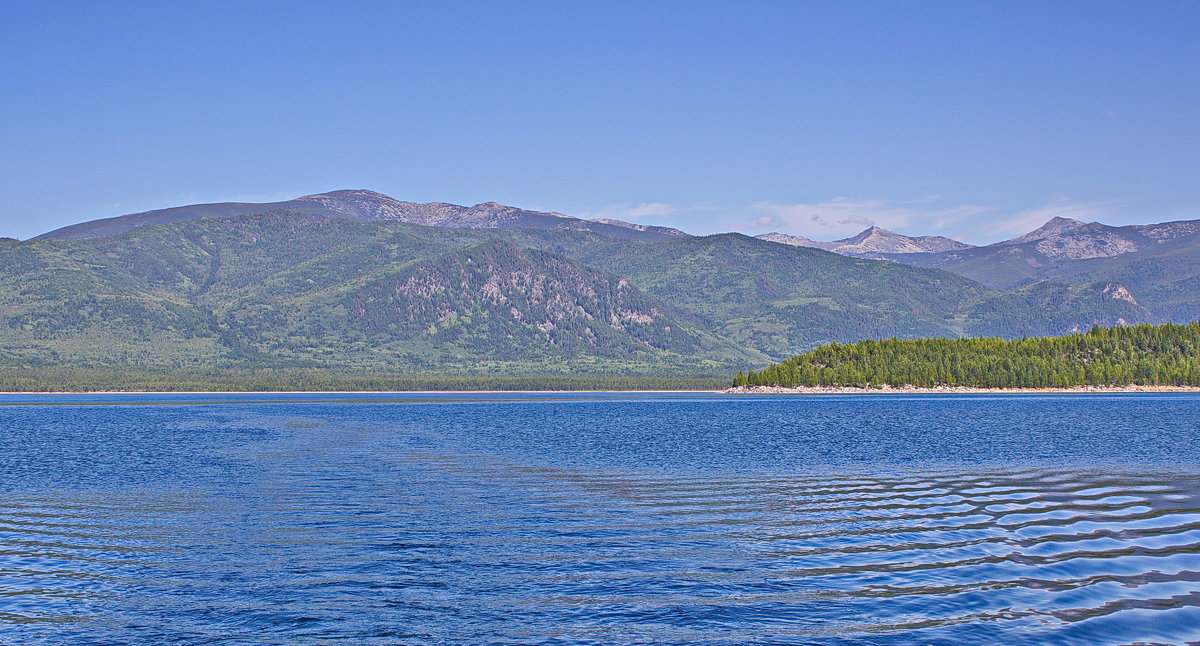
(357, 283)
(874, 242)
(369, 206)
(1159, 264)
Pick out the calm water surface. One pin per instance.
(599, 519)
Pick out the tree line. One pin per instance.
(1149, 355)
(82, 379)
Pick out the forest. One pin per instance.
(1148, 355)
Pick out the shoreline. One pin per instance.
(737, 390)
(953, 390)
(342, 392)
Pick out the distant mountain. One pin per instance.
(1054, 226)
(306, 291)
(876, 240)
(873, 242)
(355, 282)
(669, 232)
(1166, 231)
(1159, 263)
(369, 206)
(772, 298)
(299, 290)
(798, 241)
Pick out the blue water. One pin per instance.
(599, 519)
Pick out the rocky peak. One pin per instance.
(1054, 226)
(868, 233)
(877, 240)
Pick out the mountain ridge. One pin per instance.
(318, 293)
(357, 281)
(1159, 263)
(872, 242)
(368, 206)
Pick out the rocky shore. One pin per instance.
(952, 390)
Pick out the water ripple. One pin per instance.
(323, 531)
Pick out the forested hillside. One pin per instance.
(1164, 355)
(307, 300)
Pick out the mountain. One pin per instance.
(289, 290)
(275, 293)
(490, 300)
(368, 206)
(1054, 226)
(775, 298)
(874, 242)
(1158, 263)
(798, 241)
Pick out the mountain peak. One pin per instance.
(1054, 226)
(350, 192)
(870, 232)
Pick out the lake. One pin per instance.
(595, 518)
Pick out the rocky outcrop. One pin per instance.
(1080, 244)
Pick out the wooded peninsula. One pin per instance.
(1143, 355)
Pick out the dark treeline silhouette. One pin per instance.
(80, 379)
(1150, 355)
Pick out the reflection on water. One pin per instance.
(314, 532)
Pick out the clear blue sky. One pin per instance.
(973, 119)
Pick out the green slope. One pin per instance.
(302, 293)
(781, 299)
